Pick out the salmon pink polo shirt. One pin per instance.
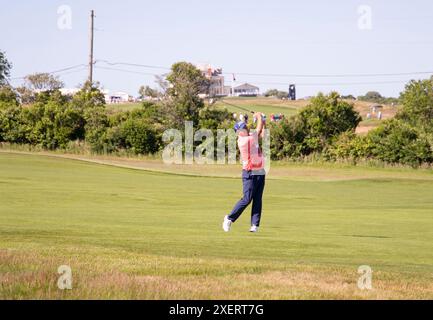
(251, 154)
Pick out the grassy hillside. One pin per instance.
(262, 104)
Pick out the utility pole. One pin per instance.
(92, 16)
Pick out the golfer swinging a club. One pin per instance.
(253, 172)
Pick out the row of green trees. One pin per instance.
(370, 96)
(405, 139)
(313, 129)
(325, 128)
(51, 122)
(374, 96)
(54, 121)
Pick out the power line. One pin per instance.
(276, 83)
(58, 71)
(132, 64)
(334, 83)
(79, 67)
(348, 75)
(73, 71)
(330, 75)
(127, 71)
(67, 68)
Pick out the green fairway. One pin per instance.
(266, 109)
(135, 234)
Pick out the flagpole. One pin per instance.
(233, 84)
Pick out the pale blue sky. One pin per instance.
(262, 37)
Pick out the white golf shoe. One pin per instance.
(254, 228)
(227, 223)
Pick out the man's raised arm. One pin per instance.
(260, 123)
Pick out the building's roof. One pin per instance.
(246, 86)
(67, 91)
(120, 93)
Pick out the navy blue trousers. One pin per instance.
(253, 186)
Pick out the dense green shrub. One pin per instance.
(139, 136)
(276, 93)
(153, 113)
(313, 128)
(88, 97)
(54, 124)
(349, 145)
(396, 141)
(212, 118)
(407, 139)
(325, 118)
(129, 130)
(51, 122)
(287, 138)
(417, 102)
(12, 124)
(374, 96)
(7, 96)
(96, 129)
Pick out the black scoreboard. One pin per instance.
(292, 92)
